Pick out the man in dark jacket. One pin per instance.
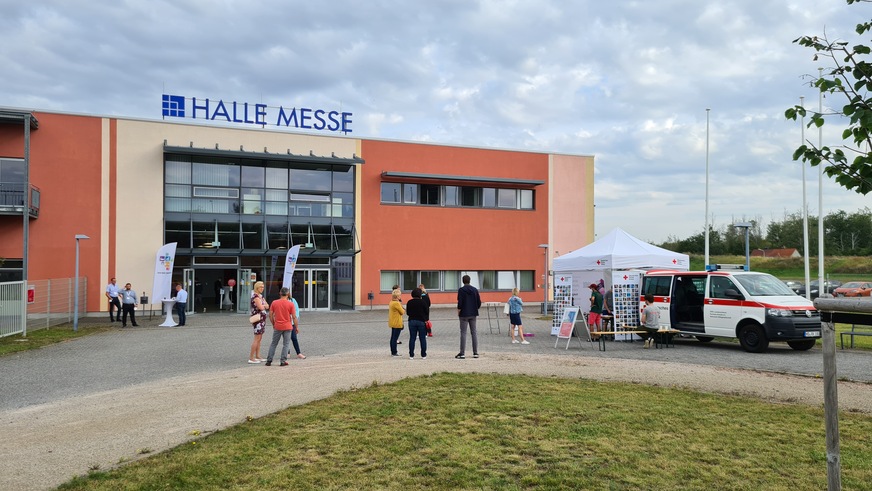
(468, 303)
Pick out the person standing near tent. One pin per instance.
(594, 319)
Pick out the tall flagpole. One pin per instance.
(707, 111)
(804, 211)
(821, 286)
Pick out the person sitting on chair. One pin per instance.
(650, 320)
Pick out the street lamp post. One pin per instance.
(76, 301)
(747, 227)
(545, 283)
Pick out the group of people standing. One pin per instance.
(420, 327)
(122, 303)
(418, 310)
(283, 314)
(468, 303)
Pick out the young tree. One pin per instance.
(851, 76)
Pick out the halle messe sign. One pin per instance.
(177, 106)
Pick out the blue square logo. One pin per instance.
(173, 106)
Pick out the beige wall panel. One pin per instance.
(572, 203)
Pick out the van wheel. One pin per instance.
(705, 339)
(802, 345)
(753, 339)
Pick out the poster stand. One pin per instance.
(626, 296)
(562, 300)
(567, 327)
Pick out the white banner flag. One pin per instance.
(163, 272)
(290, 265)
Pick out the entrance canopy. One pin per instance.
(620, 250)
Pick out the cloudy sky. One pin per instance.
(626, 81)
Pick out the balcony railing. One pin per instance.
(13, 197)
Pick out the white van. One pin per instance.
(754, 307)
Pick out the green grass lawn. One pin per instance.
(45, 337)
(461, 431)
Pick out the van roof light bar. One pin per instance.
(726, 267)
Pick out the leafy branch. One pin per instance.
(851, 76)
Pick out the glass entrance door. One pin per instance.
(320, 285)
(188, 285)
(311, 288)
(244, 284)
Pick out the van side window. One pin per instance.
(719, 286)
(657, 286)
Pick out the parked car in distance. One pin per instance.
(793, 285)
(854, 289)
(830, 285)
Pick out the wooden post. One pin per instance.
(831, 407)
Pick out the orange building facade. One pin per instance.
(368, 214)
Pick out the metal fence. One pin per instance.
(12, 313)
(48, 303)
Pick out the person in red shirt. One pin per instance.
(283, 317)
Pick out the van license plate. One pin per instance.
(812, 334)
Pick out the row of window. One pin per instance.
(274, 202)
(451, 280)
(259, 236)
(470, 196)
(218, 185)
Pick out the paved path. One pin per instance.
(100, 400)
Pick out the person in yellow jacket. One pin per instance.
(395, 320)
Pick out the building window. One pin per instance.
(488, 280)
(311, 180)
(12, 186)
(11, 270)
(390, 192)
(410, 193)
(450, 280)
(430, 279)
(276, 178)
(489, 197)
(507, 198)
(452, 196)
(215, 174)
(506, 280)
(526, 281)
(252, 177)
(11, 171)
(429, 194)
(526, 199)
(470, 196)
(388, 280)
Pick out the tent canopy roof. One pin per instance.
(620, 250)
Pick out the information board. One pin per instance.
(570, 317)
(626, 297)
(562, 300)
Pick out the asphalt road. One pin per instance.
(211, 342)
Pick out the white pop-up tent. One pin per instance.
(619, 250)
(614, 263)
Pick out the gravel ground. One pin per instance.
(114, 397)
